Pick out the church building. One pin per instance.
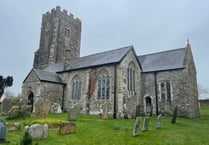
(156, 82)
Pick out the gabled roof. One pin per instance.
(104, 58)
(54, 67)
(167, 60)
(46, 76)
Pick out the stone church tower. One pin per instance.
(60, 39)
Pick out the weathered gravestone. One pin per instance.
(136, 126)
(3, 130)
(146, 124)
(138, 111)
(174, 115)
(42, 108)
(14, 126)
(13, 112)
(67, 128)
(37, 131)
(159, 122)
(8, 103)
(73, 111)
(105, 107)
(55, 108)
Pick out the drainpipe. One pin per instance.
(155, 77)
(115, 89)
(63, 96)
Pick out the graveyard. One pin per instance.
(93, 130)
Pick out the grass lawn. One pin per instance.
(92, 130)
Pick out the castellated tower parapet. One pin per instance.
(60, 38)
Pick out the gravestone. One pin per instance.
(73, 111)
(146, 124)
(138, 111)
(3, 130)
(174, 115)
(137, 126)
(25, 110)
(13, 112)
(55, 108)
(67, 128)
(159, 121)
(42, 108)
(37, 131)
(14, 126)
(105, 107)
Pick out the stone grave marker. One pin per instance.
(146, 124)
(14, 126)
(174, 115)
(159, 121)
(3, 130)
(73, 111)
(105, 107)
(138, 111)
(37, 131)
(67, 128)
(137, 126)
(55, 108)
(42, 108)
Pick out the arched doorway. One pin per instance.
(148, 102)
(30, 100)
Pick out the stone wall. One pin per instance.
(46, 90)
(180, 93)
(125, 101)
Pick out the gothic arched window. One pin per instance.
(103, 85)
(131, 77)
(165, 91)
(76, 88)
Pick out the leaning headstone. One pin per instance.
(174, 115)
(13, 112)
(55, 108)
(3, 130)
(67, 128)
(73, 111)
(105, 107)
(146, 124)
(159, 121)
(42, 108)
(136, 126)
(37, 131)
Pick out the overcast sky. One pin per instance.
(149, 25)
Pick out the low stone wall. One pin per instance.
(204, 103)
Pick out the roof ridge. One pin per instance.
(162, 52)
(130, 46)
(44, 71)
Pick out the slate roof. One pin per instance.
(55, 67)
(167, 60)
(47, 76)
(104, 58)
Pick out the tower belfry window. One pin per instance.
(67, 32)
